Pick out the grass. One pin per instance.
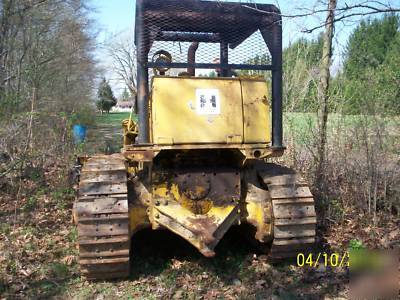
(303, 127)
(112, 119)
(105, 136)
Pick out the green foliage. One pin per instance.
(263, 59)
(5, 228)
(73, 235)
(57, 270)
(46, 73)
(310, 51)
(301, 62)
(356, 245)
(80, 149)
(369, 44)
(12, 267)
(84, 116)
(213, 74)
(335, 209)
(372, 68)
(62, 196)
(10, 102)
(106, 99)
(30, 204)
(301, 68)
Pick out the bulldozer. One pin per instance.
(198, 160)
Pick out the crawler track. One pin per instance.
(101, 215)
(294, 217)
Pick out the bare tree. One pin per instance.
(342, 13)
(46, 71)
(323, 89)
(123, 54)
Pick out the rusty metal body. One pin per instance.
(196, 164)
(200, 193)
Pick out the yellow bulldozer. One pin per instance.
(209, 101)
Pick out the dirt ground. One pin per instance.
(38, 260)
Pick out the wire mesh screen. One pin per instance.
(174, 26)
(252, 51)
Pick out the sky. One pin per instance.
(116, 18)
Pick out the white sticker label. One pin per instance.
(208, 102)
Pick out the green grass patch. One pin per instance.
(113, 119)
(303, 127)
(106, 135)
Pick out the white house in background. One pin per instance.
(124, 105)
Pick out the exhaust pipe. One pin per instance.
(192, 58)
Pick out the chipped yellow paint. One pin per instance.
(220, 212)
(256, 214)
(163, 191)
(256, 111)
(200, 206)
(130, 130)
(160, 190)
(202, 231)
(217, 214)
(243, 115)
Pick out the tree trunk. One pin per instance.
(323, 91)
(30, 124)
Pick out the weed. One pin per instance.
(34, 174)
(58, 270)
(62, 204)
(41, 192)
(31, 204)
(63, 193)
(30, 247)
(79, 149)
(61, 196)
(169, 278)
(356, 245)
(73, 235)
(48, 286)
(12, 267)
(30, 230)
(5, 228)
(335, 210)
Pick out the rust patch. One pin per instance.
(195, 187)
(204, 227)
(198, 207)
(199, 189)
(139, 155)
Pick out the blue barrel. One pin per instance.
(79, 132)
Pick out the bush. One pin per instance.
(84, 116)
(362, 166)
